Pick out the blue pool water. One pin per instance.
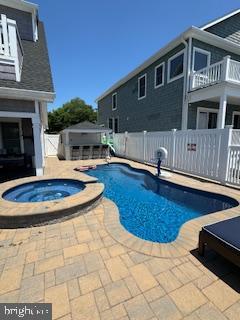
(154, 209)
(45, 190)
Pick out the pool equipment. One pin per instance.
(161, 155)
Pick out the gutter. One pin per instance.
(187, 64)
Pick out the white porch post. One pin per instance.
(37, 145)
(43, 145)
(222, 111)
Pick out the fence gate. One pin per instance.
(51, 144)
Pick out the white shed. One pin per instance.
(83, 141)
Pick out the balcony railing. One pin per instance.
(11, 51)
(225, 70)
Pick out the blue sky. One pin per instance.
(93, 43)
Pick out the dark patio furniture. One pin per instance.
(75, 153)
(224, 238)
(86, 152)
(96, 152)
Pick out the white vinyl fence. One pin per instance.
(51, 144)
(213, 154)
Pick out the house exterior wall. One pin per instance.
(11, 105)
(160, 110)
(192, 112)
(228, 29)
(23, 19)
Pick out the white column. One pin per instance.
(225, 72)
(185, 115)
(5, 34)
(42, 144)
(14, 47)
(37, 145)
(222, 111)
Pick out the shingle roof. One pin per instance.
(85, 126)
(36, 72)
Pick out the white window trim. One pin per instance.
(163, 75)
(207, 110)
(114, 94)
(139, 78)
(208, 53)
(169, 64)
(237, 113)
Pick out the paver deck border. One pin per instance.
(187, 239)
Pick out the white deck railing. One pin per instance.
(213, 154)
(225, 70)
(11, 51)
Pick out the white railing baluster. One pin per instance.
(5, 34)
(11, 51)
(207, 76)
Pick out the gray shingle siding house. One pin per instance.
(26, 84)
(193, 82)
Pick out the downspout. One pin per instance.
(187, 63)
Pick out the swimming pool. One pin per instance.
(45, 190)
(154, 209)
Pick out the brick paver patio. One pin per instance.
(87, 274)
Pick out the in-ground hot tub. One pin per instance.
(35, 201)
(45, 190)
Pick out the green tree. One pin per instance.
(70, 113)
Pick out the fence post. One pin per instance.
(173, 148)
(144, 145)
(126, 136)
(226, 139)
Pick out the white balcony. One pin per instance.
(11, 51)
(227, 70)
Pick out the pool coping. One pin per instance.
(18, 214)
(187, 239)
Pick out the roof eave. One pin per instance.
(171, 45)
(20, 5)
(86, 130)
(192, 32)
(216, 21)
(13, 93)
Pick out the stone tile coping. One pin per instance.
(15, 214)
(187, 239)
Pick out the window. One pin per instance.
(142, 86)
(236, 120)
(11, 137)
(159, 75)
(114, 101)
(113, 124)
(201, 59)
(110, 123)
(116, 129)
(176, 66)
(207, 118)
